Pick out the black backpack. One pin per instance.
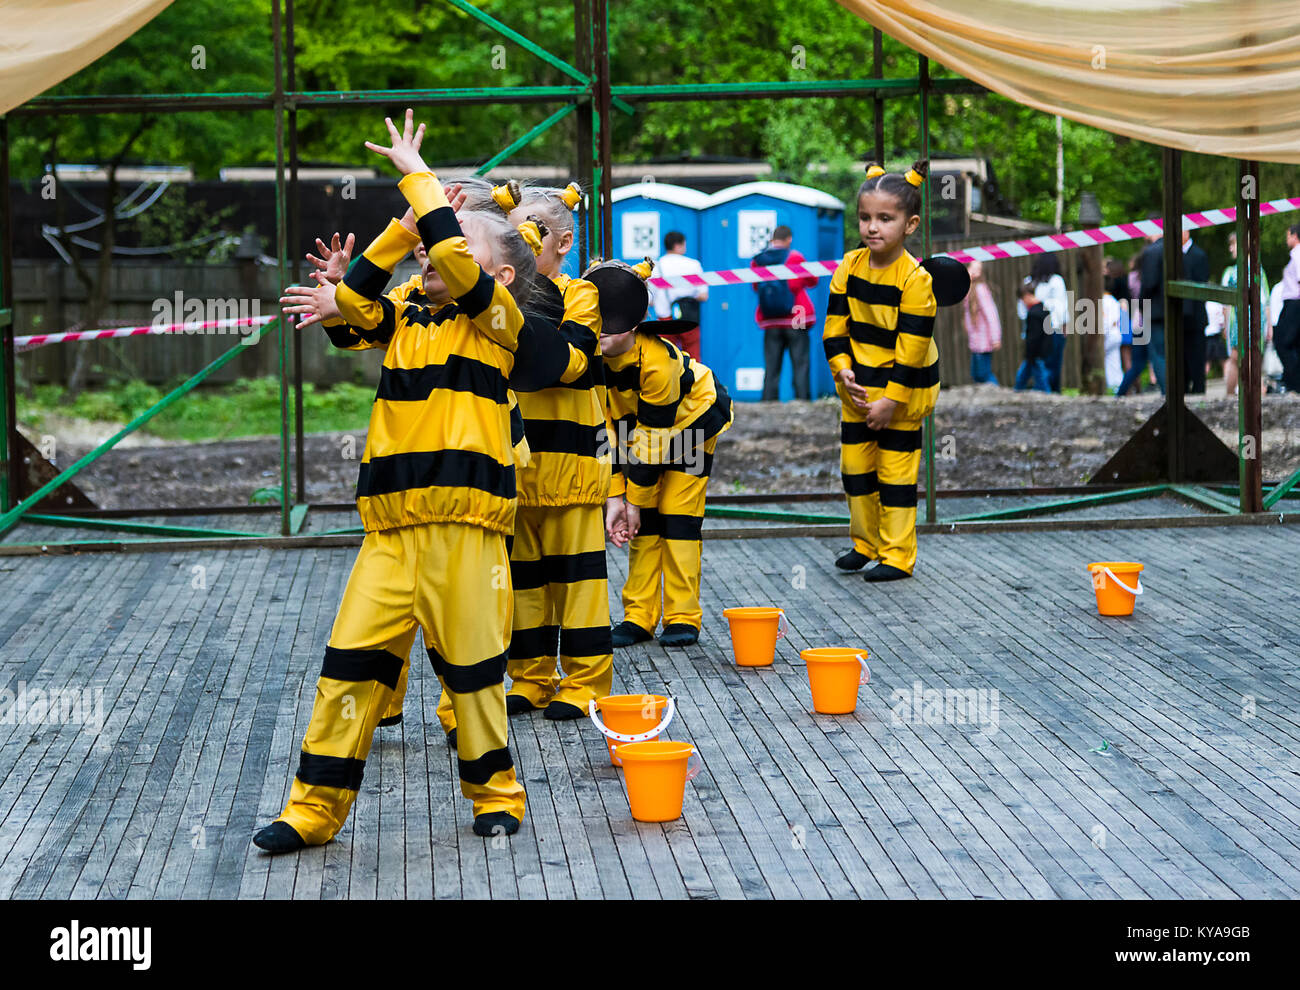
(774, 298)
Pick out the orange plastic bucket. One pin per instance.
(835, 673)
(630, 718)
(656, 774)
(1117, 584)
(754, 632)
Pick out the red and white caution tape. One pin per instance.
(1045, 244)
(40, 339)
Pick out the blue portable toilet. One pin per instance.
(736, 224)
(645, 211)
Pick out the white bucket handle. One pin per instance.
(1111, 574)
(782, 624)
(866, 671)
(694, 765)
(609, 733)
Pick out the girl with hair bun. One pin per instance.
(879, 341)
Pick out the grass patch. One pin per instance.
(250, 407)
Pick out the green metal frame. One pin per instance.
(594, 96)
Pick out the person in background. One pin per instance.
(1152, 267)
(1231, 367)
(1114, 315)
(1286, 337)
(1037, 344)
(983, 325)
(1196, 268)
(1136, 356)
(679, 302)
(785, 313)
(1117, 284)
(1046, 273)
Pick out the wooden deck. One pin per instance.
(207, 676)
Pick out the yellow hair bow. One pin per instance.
(571, 195)
(507, 196)
(532, 235)
(914, 178)
(644, 268)
(874, 171)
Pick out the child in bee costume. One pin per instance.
(879, 341)
(666, 412)
(436, 494)
(557, 553)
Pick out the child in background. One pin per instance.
(557, 561)
(1037, 345)
(666, 412)
(879, 341)
(436, 494)
(983, 325)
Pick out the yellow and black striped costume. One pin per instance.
(557, 561)
(436, 493)
(880, 323)
(666, 412)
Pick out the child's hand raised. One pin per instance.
(405, 150)
(333, 263)
(313, 302)
(456, 196)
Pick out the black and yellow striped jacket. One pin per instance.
(439, 447)
(654, 392)
(565, 425)
(880, 322)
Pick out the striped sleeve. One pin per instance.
(581, 327)
(369, 317)
(484, 300)
(912, 363)
(835, 334)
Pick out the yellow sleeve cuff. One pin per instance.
(423, 192)
(839, 362)
(388, 249)
(899, 393)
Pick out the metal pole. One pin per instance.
(584, 167)
(878, 101)
(931, 510)
(10, 492)
(295, 239)
(281, 254)
(603, 202)
(1249, 331)
(1175, 377)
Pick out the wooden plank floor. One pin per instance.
(206, 661)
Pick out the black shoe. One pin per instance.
(561, 711)
(884, 572)
(391, 720)
(279, 837)
(495, 823)
(517, 704)
(852, 561)
(626, 633)
(679, 634)
(451, 738)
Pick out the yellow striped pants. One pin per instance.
(663, 567)
(879, 469)
(452, 582)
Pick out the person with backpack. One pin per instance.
(785, 314)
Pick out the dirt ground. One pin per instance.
(986, 437)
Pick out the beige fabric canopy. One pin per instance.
(1221, 77)
(42, 42)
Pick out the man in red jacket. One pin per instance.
(785, 313)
